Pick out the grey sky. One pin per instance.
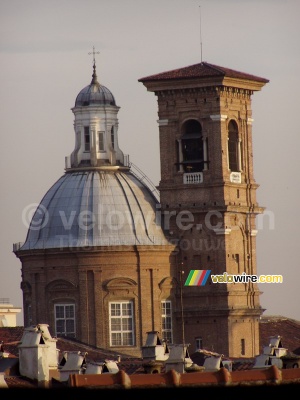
(44, 62)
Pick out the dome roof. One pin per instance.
(95, 94)
(95, 208)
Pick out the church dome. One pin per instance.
(95, 94)
(96, 208)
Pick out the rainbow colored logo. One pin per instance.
(197, 277)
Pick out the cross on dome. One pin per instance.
(94, 80)
(94, 53)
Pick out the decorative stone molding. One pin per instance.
(222, 231)
(121, 285)
(229, 92)
(250, 121)
(218, 117)
(253, 232)
(167, 283)
(162, 122)
(26, 287)
(235, 177)
(60, 285)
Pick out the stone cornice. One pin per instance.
(222, 231)
(218, 117)
(245, 86)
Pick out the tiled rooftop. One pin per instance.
(288, 329)
(201, 70)
(11, 336)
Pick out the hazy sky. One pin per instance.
(44, 63)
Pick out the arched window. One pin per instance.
(233, 147)
(191, 157)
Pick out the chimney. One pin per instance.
(155, 349)
(179, 358)
(72, 362)
(155, 353)
(38, 356)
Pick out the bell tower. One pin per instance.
(208, 199)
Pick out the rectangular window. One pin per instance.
(243, 348)
(166, 315)
(65, 320)
(121, 323)
(86, 138)
(101, 141)
(112, 137)
(199, 343)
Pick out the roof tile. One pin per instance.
(202, 70)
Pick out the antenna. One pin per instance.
(200, 34)
(181, 302)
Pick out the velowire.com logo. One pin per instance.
(197, 277)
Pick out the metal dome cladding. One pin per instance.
(95, 208)
(95, 94)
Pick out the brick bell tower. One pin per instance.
(208, 198)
